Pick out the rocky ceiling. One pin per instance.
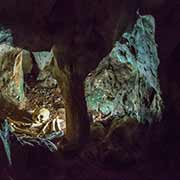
(52, 20)
(48, 21)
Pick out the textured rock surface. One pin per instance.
(124, 142)
(85, 32)
(14, 64)
(43, 60)
(97, 131)
(12, 78)
(126, 82)
(6, 36)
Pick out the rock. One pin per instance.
(14, 64)
(27, 62)
(46, 80)
(43, 60)
(123, 130)
(12, 77)
(126, 81)
(97, 131)
(6, 36)
(122, 144)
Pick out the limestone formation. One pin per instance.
(43, 60)
(6, 36)
(126, 81)
(11, 79)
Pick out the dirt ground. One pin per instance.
(35, 163)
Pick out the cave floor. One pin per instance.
(42, 165)
(38, 97)
(36, 163)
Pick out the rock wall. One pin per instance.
(126, 81)
(14, 64)
(11, 79)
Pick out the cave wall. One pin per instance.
(14, 15)
(168, 28)
(126, 83)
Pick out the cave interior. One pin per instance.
(89, 89)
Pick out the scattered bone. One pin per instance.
(40, 125)
(41, 115)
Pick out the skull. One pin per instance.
(41, 115)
